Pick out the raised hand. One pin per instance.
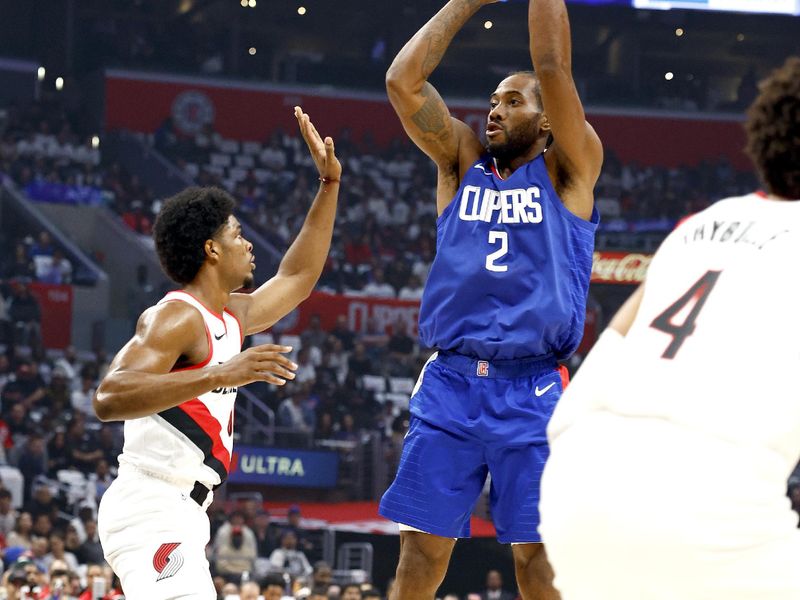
(259, 363)
(321, 151)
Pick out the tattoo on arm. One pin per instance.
(439, 32)
(432, 117)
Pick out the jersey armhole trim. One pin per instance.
(239, 323)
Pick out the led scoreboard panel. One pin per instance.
(785, 7)
(781, 7)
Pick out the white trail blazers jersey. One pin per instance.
(191, 441)
(715, 347)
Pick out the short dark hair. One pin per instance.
(537, 89)
(773, 130)
(183, 225)
(273, 579)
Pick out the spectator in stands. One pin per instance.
(43, 525)
(288, 558)
(322, 577)
(58, 395)
(6, 441)
(101, 478)
(305, 366)
(318, 593)
(57, 271)
(378, 286)
(82, 397)
(235, 553)
(109, 445)
(68, 363)
(38, 552)
(374, 338)
(21, 535)
(314, 334)
(412, 290)
(137, 220)
(32, 463)
(265, 533)
(8, 515)
(90, 550)
(343, 333)
(94, 572)
(25, 315)
(57, 453)
(273, 587)
(351, 591)
(494, 587)
(293, 414)
(58, 553)
(360, 363)
(294, 523)
(325, 429)
(42, 501)
(347, 432)
(230, 591)
(19, 266)
(82, 447)
(26, 389)
(43, 247)
(19, 423)
(401, 348)
(249, 590)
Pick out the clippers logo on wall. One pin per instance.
(241, 110)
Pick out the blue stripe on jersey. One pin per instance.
(512, 268)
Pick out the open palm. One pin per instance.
(322, 151)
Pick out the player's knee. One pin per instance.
(423, 555)
(527, 556)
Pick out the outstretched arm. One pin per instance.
(302, 265)
(421, 109)
(141, 380)
(576, 146)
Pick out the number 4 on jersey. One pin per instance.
(698, 294)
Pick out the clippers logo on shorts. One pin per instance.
(483, 368)
(167, 560)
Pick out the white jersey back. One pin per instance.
(192, 441)
(715, 346)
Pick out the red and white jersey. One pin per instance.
(192, 441)
(715, 346)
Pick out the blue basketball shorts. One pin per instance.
(471, 418)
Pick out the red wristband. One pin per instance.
(329, 180)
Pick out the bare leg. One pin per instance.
(423, 565)
(534, 573)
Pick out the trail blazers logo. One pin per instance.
(167, 560)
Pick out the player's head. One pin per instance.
(196, 227)
(516, 119)
(773, 130)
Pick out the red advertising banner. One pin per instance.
(360, 311)
(55, 302)
(246, 111)
(620, 267)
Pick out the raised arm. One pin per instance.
(421, 109)
(302, 265)
(140, 380)
(576, 145)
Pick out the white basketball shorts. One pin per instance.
(154, 536)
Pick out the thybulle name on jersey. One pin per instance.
(753, 233)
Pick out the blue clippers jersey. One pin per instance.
(512, 268)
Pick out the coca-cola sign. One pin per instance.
(620, 267)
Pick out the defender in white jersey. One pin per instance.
(175, 382)
(684, 420)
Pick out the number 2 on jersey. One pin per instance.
(494, 237)
(698, 294)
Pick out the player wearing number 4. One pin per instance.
(685, 416)
(505, 298)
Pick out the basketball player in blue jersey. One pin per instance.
(174, 383)
(505, 299)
